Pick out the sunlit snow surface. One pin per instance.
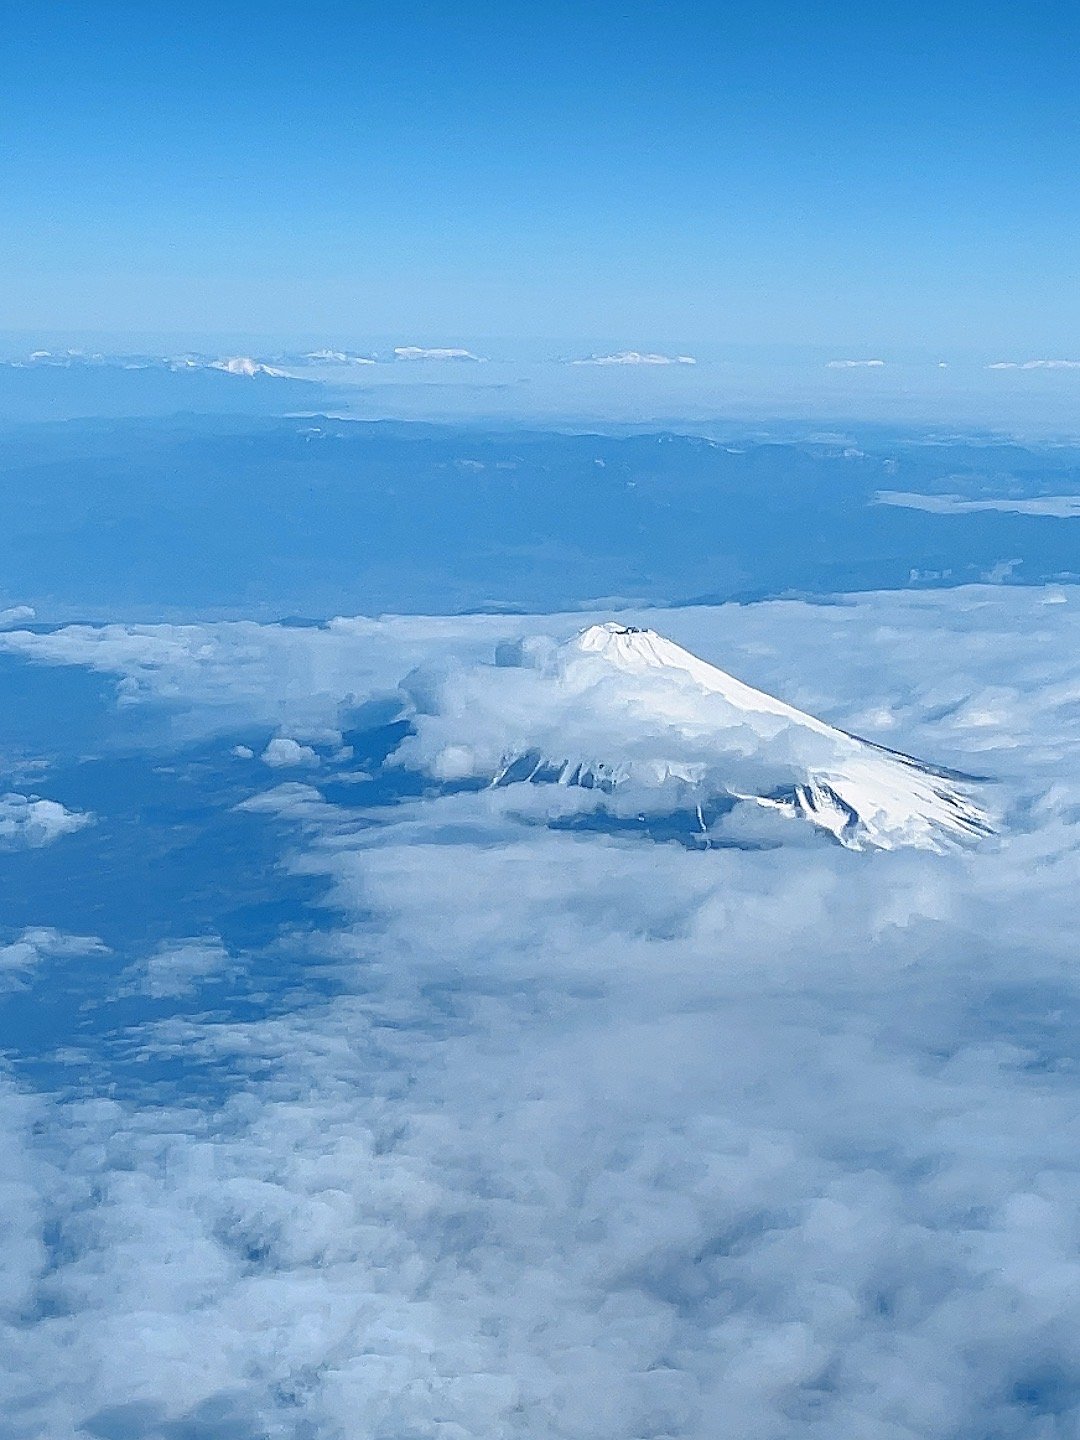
(349, 1094)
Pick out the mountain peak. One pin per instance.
(637, 650)
(651, 716)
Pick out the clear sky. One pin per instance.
(849, 174)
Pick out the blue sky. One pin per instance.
(785, 174)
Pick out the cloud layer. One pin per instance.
(590, 1136)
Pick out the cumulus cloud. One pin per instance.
(597, 1136)
(28, 821)
(1057, 507)
(284, 751)
(854, 364)
(15, 615)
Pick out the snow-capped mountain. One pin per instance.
(635, 357)
(437, 352)
(79, 359)
(628, 710)
(243, 365)
(327, 356)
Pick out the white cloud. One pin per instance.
(15, 615)
(216, 677)
(28, 821)
(283, 751)
(1035, 365)
(181, 967)
(20, 958)
(1058, 507)
(635, 357)
(854, 364)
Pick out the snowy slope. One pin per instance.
(630, 708)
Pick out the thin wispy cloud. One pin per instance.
(21, 958)
(1057, 507)
(1034, 365)
(179, 968)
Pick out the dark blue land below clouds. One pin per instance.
(308, 517)
(172, 855)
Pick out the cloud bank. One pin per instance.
(590, 1136)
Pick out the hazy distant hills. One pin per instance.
(314, 516)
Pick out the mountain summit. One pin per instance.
(636, 712)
